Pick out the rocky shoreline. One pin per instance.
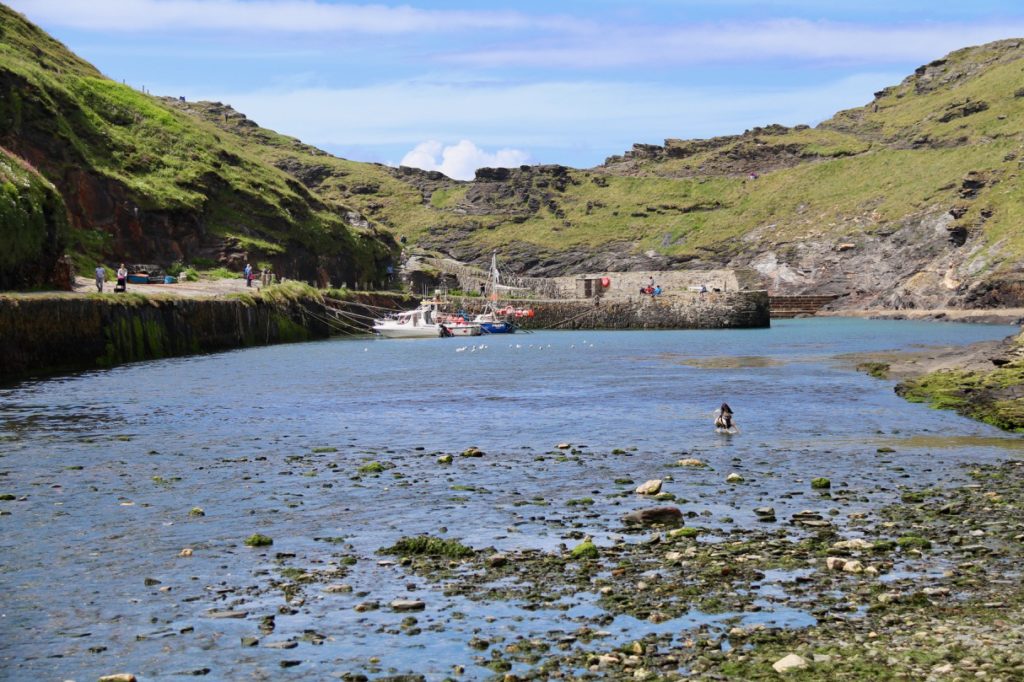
(925, 588)
(984, 381)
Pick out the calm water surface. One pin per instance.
(107, 465)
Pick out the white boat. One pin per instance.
(421, 323)
(457, 324)
(460, 329)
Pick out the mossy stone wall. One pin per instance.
(53, 334)
(733, 310)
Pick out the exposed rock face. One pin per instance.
(34, 225)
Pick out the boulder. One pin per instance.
(652, 487)
(654, 515)
(790, 662)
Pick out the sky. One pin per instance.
(454, 85)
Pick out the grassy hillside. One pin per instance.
(912, 200)
(931, 166)
(144, 182)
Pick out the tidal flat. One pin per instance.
(365, 509)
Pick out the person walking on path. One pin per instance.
(101, 275)
(248, 275)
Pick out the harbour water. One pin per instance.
(109, 468)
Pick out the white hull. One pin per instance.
(406, 331)
(463, 329)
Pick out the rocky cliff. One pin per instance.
(911, 201)
(35, 225)
(144, 183)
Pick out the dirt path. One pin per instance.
(207, 288)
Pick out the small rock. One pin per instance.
(564, 446)
(734, 478)
(790, 662)
(445, 459)
(250, 641)
(855, 543)
(118, 677)
(651, 487)
(366, 606)
(497, 560)
(281, 645)
(187, 552)
(408, 605)
(473, 452)
(339, 588)
(834, 563)
(853, 567)
(690, 462)
(227, 614)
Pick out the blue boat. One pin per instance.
(495, 320)
(496, 326)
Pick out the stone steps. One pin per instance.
(792, 306)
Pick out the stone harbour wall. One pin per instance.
(48, 335)
(727, 310)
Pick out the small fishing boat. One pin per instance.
(458, 325)
(460, 329)
(420, 323)
(494, 319)
(138, 278)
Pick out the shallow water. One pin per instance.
(111, 462)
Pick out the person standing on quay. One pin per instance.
(248, 275)
(122, 278)
(101, 275)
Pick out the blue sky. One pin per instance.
(454, 85)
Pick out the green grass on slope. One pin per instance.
(838, 198)
(903, 113)
(168, 161)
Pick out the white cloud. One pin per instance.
(297, 16)
(737, 42)
(461, 160)
(540, 40)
